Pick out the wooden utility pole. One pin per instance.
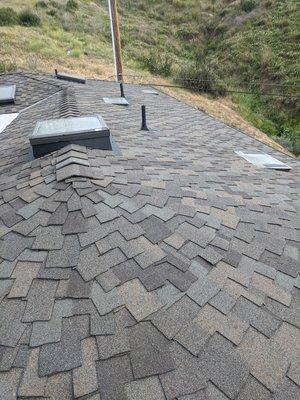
(116, 39)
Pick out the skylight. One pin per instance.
(7, 94)
(53, 134)
(263, 160)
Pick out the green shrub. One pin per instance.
(52, 13)
(7, 67)
(200, 77)
(8, 16)
(157, 63)
(41, 4)
(71, 5)
(29, 18)
(248, 5)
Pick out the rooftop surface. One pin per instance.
(167, 269)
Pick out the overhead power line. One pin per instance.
(243, 83)
(217, 90)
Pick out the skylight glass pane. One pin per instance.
(51, 135)
(7, 93)
(68, 125)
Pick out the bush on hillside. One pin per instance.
(29, 18)
(41, 4)
(157, 63)
(52, 13)
(200, 77)
(7, 67)
(8, 16)
(248, 5)
(71, 5)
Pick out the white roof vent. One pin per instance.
(263, 160)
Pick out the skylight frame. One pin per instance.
(9, 98)
(98, 137)
(64, 135)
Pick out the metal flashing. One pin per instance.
(118, 101)
(70, 78)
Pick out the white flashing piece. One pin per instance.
(149, 91)
(117, 101)
(6, 119)
(263, 160)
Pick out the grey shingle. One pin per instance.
(9, 381)
(11, 327)
(75, 223)
(85, 377)
(258, 317)
(202, 236)
(266, 360)
(137, 300)
(67, 256)
(89, 264)
(112, 386)
(12, 245)
(74, 202)
(105, 302)
(40, 301)
(59, 216)
(22, 357)
(48, 238)
(74, 287)
(27, 226)
(112, 345)
(223, 302)
(105, 213)
(30, 209)
(254, 390)
(9, 216)
(203, 290)
(108, 280)
(169, 321)
(188, 377)
(24, 273)
(155, 229)
(223, 366)
(148, 361)
(50, 331)
(149, 388)
(66, 354)
(103, 325)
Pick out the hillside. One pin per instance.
(225, 43)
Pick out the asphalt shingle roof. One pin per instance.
(167, 270)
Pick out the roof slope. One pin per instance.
(167, 270)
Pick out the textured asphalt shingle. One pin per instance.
(168, 270)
